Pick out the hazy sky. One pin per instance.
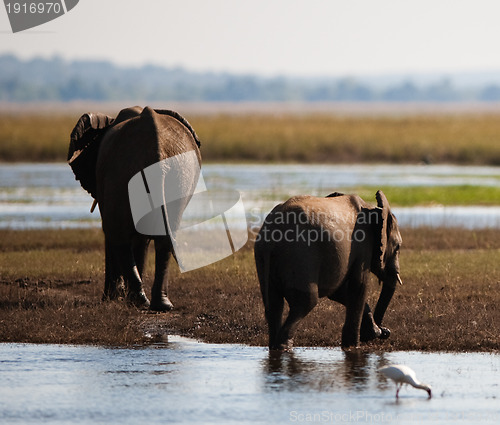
(294, 37)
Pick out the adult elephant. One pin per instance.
(310, 247)
(105, 153)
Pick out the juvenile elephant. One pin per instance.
(105, 153)
(310, 247)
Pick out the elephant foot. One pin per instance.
(349, 340)
(161, 304)
(346, 345)
(281, 347)
(280, 344)
(113, 296)
(374, 333)
(386, 333)
(138, 299)
(114, 293)
(369, 333)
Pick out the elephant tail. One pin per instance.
(262, 261)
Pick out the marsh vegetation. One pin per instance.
(51, 284)
(324, 138)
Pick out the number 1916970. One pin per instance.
(33, 8)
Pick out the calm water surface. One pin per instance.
(47, 195)
(184, 381)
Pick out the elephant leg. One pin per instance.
(274, 315)
(135, 295)
(300, 303)
(355, 307)
(369, 329)
(141, 245)
(163, 254)
(113, 281)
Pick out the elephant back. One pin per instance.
(89, 131)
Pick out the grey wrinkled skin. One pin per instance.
(104, 154)
(311, 247)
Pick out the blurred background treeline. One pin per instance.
(56, 79)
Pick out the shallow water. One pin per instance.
(47, 195)
(184, 381)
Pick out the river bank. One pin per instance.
(51, 283)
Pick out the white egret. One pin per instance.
(401, 374)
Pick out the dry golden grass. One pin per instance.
(329, 138)
(51, 283)
(465, 138)
(34, 137)
(64, 312)
(48, 291)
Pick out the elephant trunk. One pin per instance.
(388, 288)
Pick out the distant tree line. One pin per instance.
(58, 80)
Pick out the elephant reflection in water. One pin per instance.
(311, 247)
(288, 371)
(104, 154)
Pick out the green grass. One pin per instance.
(409, 196)
(325, 138)
(434, 195)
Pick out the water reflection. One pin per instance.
(354, 370)
(351, 370)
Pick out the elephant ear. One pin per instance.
(182, 120)
(128, 113)
(84, 145)
(381, 232)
